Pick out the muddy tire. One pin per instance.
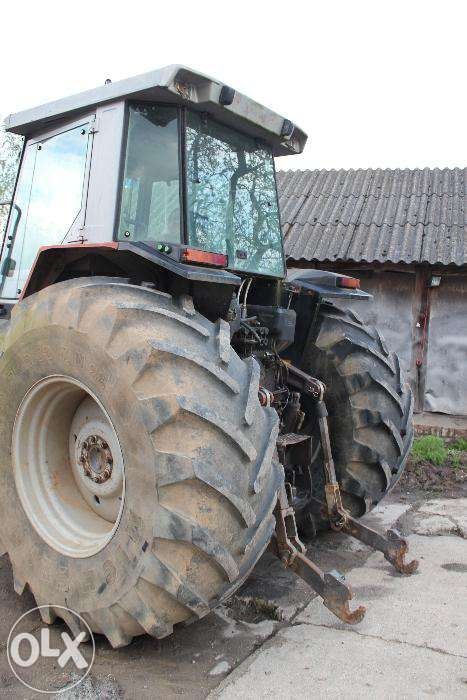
(370, 410)
(116, 394)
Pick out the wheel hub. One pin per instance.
(96, 459)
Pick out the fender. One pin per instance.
(325, 284)
(131, 258)
(211, 289)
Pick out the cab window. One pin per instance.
(150, 198)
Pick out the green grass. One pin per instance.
(460, 444)
(455, 458)
(430, 448)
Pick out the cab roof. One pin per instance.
(173, 84)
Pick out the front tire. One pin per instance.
(176, 429)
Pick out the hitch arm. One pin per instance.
(286, 545)
(392, 545)
(331, 586)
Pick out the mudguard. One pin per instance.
(52, 260)
(326, 284)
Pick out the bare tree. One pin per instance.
(10, 150)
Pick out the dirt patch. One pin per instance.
(425, 478)
(252, 610)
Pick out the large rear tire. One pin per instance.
(139, 486)
(370, 410)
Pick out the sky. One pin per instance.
(376, 83)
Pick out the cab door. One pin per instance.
(49, 202)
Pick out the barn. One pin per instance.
(404, 234)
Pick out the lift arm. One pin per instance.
(331, 586)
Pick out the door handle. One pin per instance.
(9, 265)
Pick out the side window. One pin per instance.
(150, 205)
(16, 225)
(49, 197)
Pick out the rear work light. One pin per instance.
(201, 257)
(349, 282)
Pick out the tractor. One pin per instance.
(173, 400)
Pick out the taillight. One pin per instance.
(349, 282)
(201, 257)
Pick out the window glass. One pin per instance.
(49, 195)
(150, 206)
(231, 197)
(16, 225)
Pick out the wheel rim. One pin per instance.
(68, 466)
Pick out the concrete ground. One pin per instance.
(412, 642)
(277, 638)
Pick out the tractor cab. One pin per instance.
(171, 161)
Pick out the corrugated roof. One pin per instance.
(408, 216)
